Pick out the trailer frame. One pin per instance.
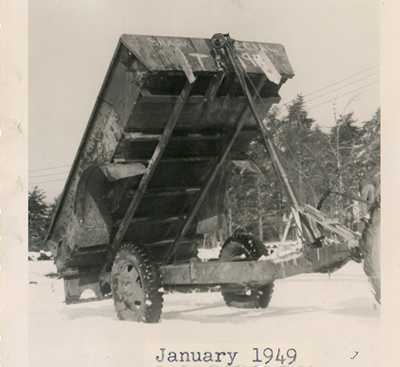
(92, 267)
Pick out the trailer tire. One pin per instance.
(136, 283)
(370, 249)
(240, 247)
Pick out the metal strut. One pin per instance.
(221, 41)
(200, 199)
(158, 152)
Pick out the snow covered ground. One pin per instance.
(337, 314)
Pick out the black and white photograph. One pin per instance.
(202, 184)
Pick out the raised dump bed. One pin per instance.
(149, 178)
(145, 92)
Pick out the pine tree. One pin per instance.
(38, 219)
(369, 152)
(315, 162)
(342, 178)
(256, 197)
(53, 207)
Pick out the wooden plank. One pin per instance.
(334, 226)
(164, 160)
(154, 219)
(141, 137)
(169, 127)
(99, 249)
(169, 241)
(210, 95)
(184, 64)
(263, 61)
(210, 180)
(198, 137)
(134, 137)
(173, 191)
(158, 53)
(159, 220)
(168, 100)
(182, 146)
(149, 117)
(115, 172)
(232, 90)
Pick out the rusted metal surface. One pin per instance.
(253, 273)
(313, 260)
(80, 219)
(199, 274)
(102, 135)
(210, 273)
(332, 225)
(76, 284)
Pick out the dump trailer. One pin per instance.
(173, 117)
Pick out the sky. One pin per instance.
(333, 47)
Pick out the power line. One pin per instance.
(342, 95)
(50, 174)
(336, 83)
(43, 182)
(337, 89)
(49, 168)
(349, 77)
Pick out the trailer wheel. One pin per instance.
(136, 281)
(237, 248)
(370, 249)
